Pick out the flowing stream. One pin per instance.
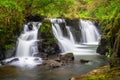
(82, 41)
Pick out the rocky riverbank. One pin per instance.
(101, 73)
(58, 60)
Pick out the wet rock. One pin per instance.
(36, 59)
(57, 60)
(30, 26)
(51, 64)
(7, 62)
(2, 63)
(84, 61)
(44, 56)
(102, 47)
(67, 57)
(13, 60)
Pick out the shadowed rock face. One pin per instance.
(2, 53)
(35, 18)
(102, 48)
(64, 30)
(74, 26)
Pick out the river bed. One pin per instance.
(12, 72)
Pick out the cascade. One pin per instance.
(90, 34)
(27, 47)
(65, 43)
(89, 37)
(27, 42)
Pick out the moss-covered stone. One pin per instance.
(49, 42)
(46, 32)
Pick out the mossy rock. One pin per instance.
(49, 42)
(46, 30)
(67, 57)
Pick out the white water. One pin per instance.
(90, 38)
(64, 43)
(27, 42)
(90, 34)
(27, 47)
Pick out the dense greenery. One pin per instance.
(48, 8)
(11, 21)
(100, 9)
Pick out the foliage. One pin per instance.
(51, 8)
(101, 9)
(111, 30)
(11, 21)
(46, 32)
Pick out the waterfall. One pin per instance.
(89, 37)
(90, 34)
(27, 42)
(65, 43)
(64, 33)
(27, 47)
(81, 39)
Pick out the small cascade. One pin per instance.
(70, 34)
(27, 47)
(27, 42)
(90, 34)
(65, 43)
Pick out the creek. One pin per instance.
(82, 41)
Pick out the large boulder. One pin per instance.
(66, 57)
(51, 64)
(48, 43)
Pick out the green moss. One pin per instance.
(46, 32)
(96, 77)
